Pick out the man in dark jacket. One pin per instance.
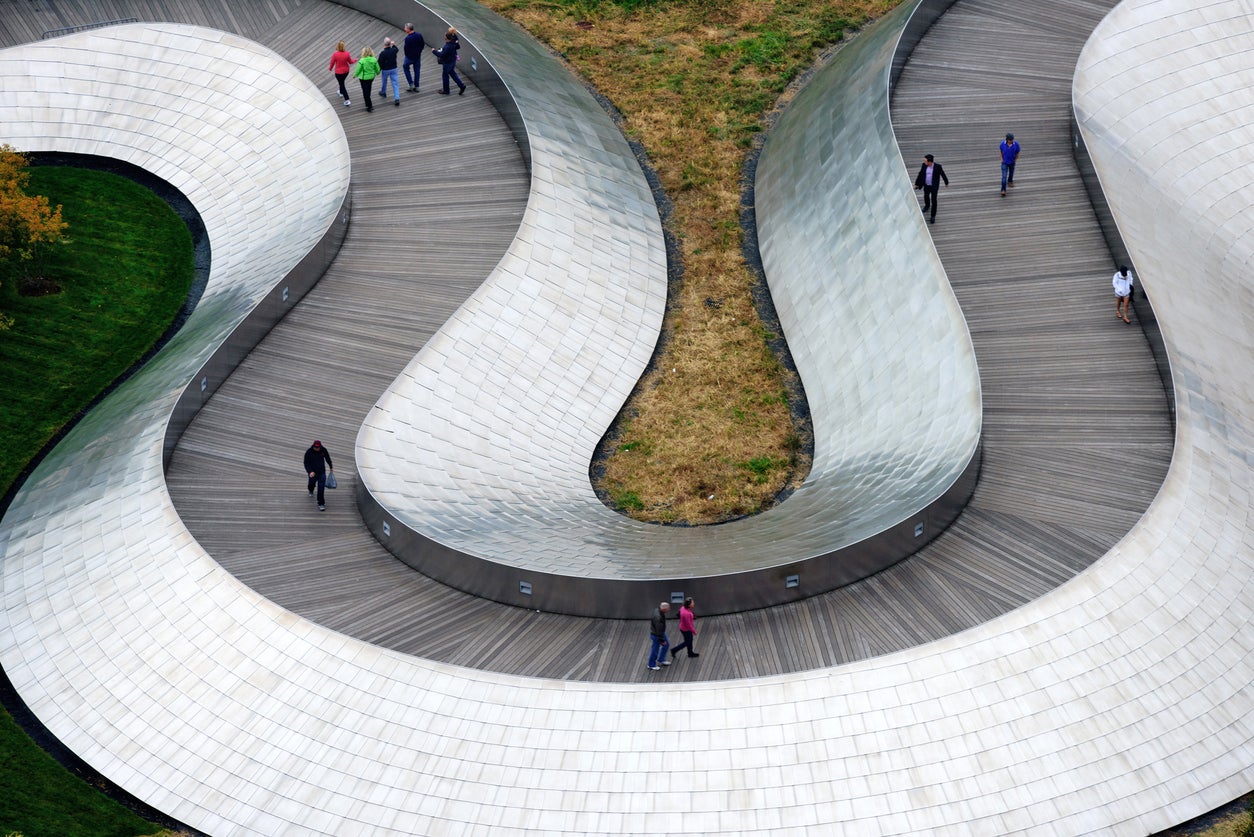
(317, 460)
(387, 63)
(929, 180)
(414, 44)
(657, 633)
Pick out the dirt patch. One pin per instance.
(38, 286)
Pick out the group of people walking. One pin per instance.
(931, 175)
(367, 66)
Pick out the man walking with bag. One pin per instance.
(317, 460)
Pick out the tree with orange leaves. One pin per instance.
(28, 224)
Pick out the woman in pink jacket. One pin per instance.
(340, 62)
(687, 628)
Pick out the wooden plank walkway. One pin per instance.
(1077, 435)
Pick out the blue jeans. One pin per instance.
(658, 652)
(392, 75)
(412, 81)
(1007, 171)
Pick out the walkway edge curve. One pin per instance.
(474, 464)
(1117, 704)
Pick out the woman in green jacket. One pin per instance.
(366, 69)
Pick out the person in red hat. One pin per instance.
(317, 460)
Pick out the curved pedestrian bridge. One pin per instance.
(230, 712)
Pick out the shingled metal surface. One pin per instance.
(1118, 703)
(482, 445)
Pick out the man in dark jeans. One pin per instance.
(929, 180)
(387, 63)
(447, 56)
(414, 45)
(317, 460)
(657, 634)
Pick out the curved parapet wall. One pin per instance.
(1117, 704)
(95, 513)
(474, 464)
(216, 146)
(873, 325)
(1161, 95)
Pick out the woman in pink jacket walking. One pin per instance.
(340, 62)
(687, 628)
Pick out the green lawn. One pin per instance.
(124, 275)
(40, 798)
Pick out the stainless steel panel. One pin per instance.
(498, 473)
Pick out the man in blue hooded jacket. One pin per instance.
(1009, 154)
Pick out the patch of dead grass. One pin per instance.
(1233, 820)
(709, 434)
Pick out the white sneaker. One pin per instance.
(654, 668)
(665, 662)
(347, 103)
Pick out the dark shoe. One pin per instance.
(931, 220)
(397, 102)
(369, 110)
(694, 654)
(1003, 193)
(443, 92)
(461, 90)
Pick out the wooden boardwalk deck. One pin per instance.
(1077, 435)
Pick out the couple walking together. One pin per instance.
(657, 631)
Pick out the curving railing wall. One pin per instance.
(1116, 704)
(218, 149)
(474, 465)
(1146, 318)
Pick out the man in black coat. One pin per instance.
(387, 63)
(414, 45)
(317, 460)
(929, 180)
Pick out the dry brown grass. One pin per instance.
(1233, 820)
(709, 434)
